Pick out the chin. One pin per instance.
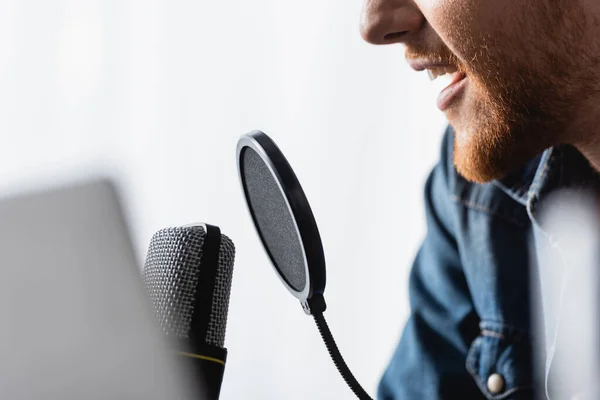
(484, 148)
(484, 143)
(473, 163)
(490, 148)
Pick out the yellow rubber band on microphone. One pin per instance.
(201, 357)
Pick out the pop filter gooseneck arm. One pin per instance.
(286, 226)
(337, 358)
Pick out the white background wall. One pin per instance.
(161, 90)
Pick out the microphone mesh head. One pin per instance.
(171, 278)
(274, 219)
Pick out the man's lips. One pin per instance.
(449, 79)
(451, 92)
(419, 64)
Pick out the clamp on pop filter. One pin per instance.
(288, 231)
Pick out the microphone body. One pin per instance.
(207, 366)
(188, 274)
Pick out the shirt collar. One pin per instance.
(559, 167)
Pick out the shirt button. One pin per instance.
(495, 383)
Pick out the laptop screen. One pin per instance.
(75, 322)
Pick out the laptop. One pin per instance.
(74, 319)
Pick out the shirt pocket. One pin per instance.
(500, 362)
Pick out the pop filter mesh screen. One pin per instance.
(273, 219)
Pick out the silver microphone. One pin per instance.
(188, 274)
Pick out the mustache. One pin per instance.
(437, 54)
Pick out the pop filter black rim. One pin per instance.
(311, 297)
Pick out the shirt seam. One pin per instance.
(486, 210)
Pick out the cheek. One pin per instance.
(466, 26)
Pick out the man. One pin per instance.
(523, 103)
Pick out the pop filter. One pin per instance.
(283, 219)
(288, 231)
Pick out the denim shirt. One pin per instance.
(471, 283)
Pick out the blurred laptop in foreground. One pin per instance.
(76, 323)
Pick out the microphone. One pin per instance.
(187, 275)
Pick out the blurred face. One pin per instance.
(519, 73)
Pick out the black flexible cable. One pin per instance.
(339, 362)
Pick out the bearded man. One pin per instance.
(523, 104)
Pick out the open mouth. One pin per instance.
(451, 82)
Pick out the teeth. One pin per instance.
(442, 82)
(439, 71)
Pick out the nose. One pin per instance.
(390, 21)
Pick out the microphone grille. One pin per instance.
(171, 278)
